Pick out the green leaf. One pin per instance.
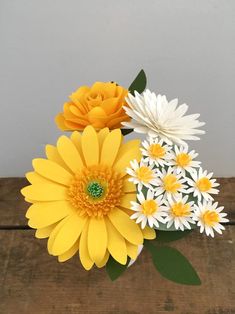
(172, 265)
(126, 131)
(165, 236)
(163, 227)
(114, 269)
(139, 83)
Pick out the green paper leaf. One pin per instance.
(126, 131)
(114, 269)
(172, 265)
(165, 236)
(139, 83)
(163, 227)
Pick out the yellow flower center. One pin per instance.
(96, 190)
(149, 207)
(204, 184)
(144, 174)
(171, 183)
(180, 210)
(210, 217)
(183, 160)
(157, 151)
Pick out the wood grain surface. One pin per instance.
(34, 282)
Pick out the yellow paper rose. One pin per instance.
(99, 105)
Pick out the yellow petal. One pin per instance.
(97, 117)
(51, 170)
(110, 147)
(72, 125)
(129, 212)
(97, 239)
(78, 94)
(86, 261)
(110, 105)
(123, 160)
(49, 213)
(45, 192)
(116, 244)
(107, 88)
(59, 120)
(53, 234)
(78, 121)
(132, 250)
(128, 186)
(76, 138)
(97, 113)
(149, 233)
(28, 200)
(70, 253)
(67, 112)
(69, 154)
(93, 104)
(79, 116)
(104, 260)
(116, 122)
(34, 208)
(53, 155)
(35, 178)
(68, 234)
(102, 135)
(45, 232)
(90, 146)
(126, 199)
(126, 147)
(127, 227)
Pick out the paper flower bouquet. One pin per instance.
(102, 198)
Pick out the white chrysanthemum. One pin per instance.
(179, 212)
(202, 185)
(182, 160)
(209, 217)
(170, 183)
(149, 209)
(156, 152)
(142, 174)
(155, 116)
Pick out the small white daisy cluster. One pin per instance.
(173, 190)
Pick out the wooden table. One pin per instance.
(34, 282)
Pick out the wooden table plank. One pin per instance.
(13, 206)
(33, 281)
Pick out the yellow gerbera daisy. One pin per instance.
(81, 197)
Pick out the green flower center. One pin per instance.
(95, 189)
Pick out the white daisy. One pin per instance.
(155, 151)
(142, 174)
(155, 116)
(202, 185)
(179, 212)
(170, 183)
(209, 217)
(182, 160)
(149, 209)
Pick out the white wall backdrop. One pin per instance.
(50, 48)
